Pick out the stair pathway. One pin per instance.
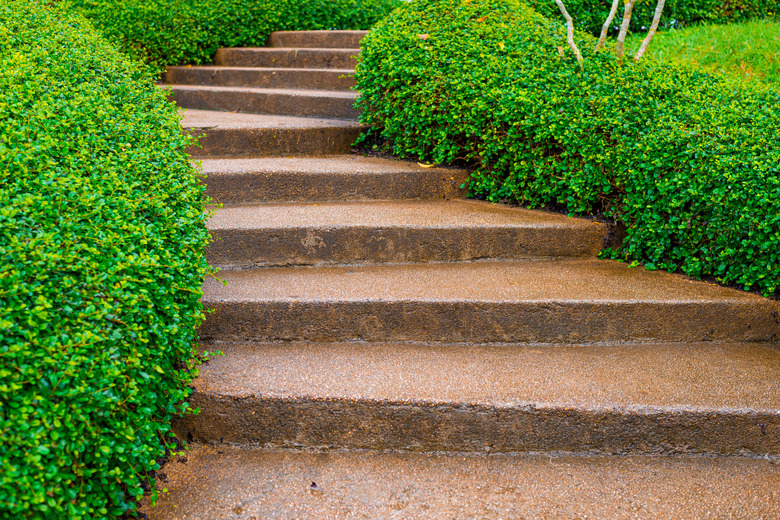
(394, 351)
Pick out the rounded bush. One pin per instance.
(689, 162)
(102, 237)
(163, 32)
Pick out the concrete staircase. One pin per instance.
(395, 351)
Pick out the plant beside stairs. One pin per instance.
(102, 236)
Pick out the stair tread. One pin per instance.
(330, 94)
(291, 49)
(261, 69)
(322, 32)
(336, 164)
(390, 214)
(266, 483)
(645, 378)
(194, 118)
(559, 280)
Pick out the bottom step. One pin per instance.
(241, 483)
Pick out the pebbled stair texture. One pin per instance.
(392, 350)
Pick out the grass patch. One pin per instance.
(748, 50)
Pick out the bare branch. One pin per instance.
(651, 32)
(607, 23)
(570, 31)
(621, 39)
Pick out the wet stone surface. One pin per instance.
(221, 482)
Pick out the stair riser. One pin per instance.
(262, 103)
(513, 322)
(475, 428)
(261, 78)
(280, 247)
(288, 58)
(231, 142)
(317, 39)
(303, 187)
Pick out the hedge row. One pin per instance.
(690, 162)
(102, 238)
(590, 15)
(163, 32)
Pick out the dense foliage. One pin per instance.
(589, 15)
(101, 238)
(163, 32)
(690, 162)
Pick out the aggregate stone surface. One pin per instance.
(490, 281)
(194, 118)
(414, 214)
(222, 482)
(712, 377)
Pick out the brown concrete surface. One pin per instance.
(393, 232)
(319, 79)
(317, 39)
(705, 398)
(251, 484)
(287, 58)
(229, 134)
(288, 101)
(541, 301)
(343, 177)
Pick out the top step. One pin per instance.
(317, 39)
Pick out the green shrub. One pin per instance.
(163, 32)
(590, 15)
(690, 162)
(101, 238)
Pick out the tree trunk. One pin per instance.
(621, 39)
(605, 27)
(570, 31)
(653, 28)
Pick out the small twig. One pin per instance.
(607, 24)
(653, 28)
(570, 31)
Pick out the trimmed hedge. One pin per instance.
(164, 32)
(689, 162)
(590, 15)
(102, 237)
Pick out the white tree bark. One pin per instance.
(621, 39)
(570, 31)
(607, 24)
(656, 18)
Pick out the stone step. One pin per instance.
(232, 482)
(229, 134)
(614, 399)
(318, 79)
(393, 232)
(316, 179)
(287, 58)
(298, 103)
(317, 39)
(540, 301)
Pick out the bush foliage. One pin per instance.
(690, 162)
(102, 234)
(589, 15)
(163, 32)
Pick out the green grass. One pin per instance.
(749, 50)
